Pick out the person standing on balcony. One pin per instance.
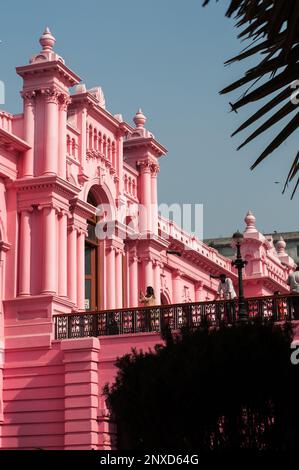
(149, 300)
(293, 282)
(225, 287)
(227, 291)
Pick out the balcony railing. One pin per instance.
(153, 319)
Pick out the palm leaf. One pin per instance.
(279, 139)
(272, 29)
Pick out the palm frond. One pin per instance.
(272, 29)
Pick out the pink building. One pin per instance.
(60, 159)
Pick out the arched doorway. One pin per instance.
(92, 261)
(95, 247)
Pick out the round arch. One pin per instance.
(97, 196)
(101, 192)
(165, 298)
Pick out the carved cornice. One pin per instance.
(42, 183)
(55, 66)
(11, 142)
(148, 143)
(94, 154)
(89, 101)
(81, 208)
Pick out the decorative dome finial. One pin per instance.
(139, 119)
(47, 40)
(281, 246)
(250, 222)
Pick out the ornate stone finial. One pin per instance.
(47, 40)
(250, 222)
(281, 246)
(139, 119)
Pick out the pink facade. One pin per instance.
(60, 159)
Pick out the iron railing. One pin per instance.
(153, 319)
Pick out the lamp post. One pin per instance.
(239, 264)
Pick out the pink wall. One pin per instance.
(52, 396)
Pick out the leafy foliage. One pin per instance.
(211, 390)
(272, 27)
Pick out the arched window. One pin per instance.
(68, 144)
(109, 150)
(90, 137)
(113, 155)
(95, 140)
(100, 142)
(73, 147)
(105, 146)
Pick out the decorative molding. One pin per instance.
(155, 170)
(5, 246)
(51, 95)
(144, 166)
(28, 97)
(64, 101)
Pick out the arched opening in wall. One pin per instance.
(95, 246)
(164, 299)
(92, 260)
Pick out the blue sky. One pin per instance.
(165, 56)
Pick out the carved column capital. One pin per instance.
(51, 95)
(48, 206)
(198, 285)
(64, 101)
(177, 273)
(133, 259)
(155, 169)
(144, 166)
(28, 97)
(25, 210)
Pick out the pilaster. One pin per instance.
(81, 388)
